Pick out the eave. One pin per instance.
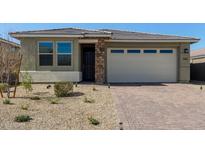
(157, 40)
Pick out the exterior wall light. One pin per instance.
(186, 50)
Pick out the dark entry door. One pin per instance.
(88, 63)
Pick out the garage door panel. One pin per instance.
(141, 67)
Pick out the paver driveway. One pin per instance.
(168, 106)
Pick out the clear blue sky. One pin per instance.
(193, 30)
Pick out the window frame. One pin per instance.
(118, 52)
(132, 49)
(56, 43)
(53, 46)
(173, 51)
(150, 49)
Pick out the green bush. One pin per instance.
(23, 118)
(93, 121)
(27, 82)
(7, 101)
(63, 89)
(35, 98)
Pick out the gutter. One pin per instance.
(154, 40)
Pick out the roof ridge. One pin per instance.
(94, 30)
(153, 33)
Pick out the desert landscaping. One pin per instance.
(87, 107)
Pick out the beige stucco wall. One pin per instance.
(30, 55)
(29, 52)
(31, 60)
(183, 65)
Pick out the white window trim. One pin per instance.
(45, 53)
(63, 53)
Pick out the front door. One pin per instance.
(88, 62)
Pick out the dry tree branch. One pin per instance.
(10, 62)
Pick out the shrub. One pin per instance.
(35, 98)
(94, 89)
(93, 121)
(23, 118)
(63, 89)
(3, 86)
(7, 101)
(27, 82)
(24, 106)
(89, 100)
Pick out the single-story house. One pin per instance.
(104, 55)
(198, 56)
(9, 45)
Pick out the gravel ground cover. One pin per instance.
(69, 112)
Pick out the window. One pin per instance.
(64, 53)
(150, 51)
(117, 51)
(45, 53)
(133, 51)
(166, 51)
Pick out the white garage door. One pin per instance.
(141, 65)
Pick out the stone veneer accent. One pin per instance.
(100, 61)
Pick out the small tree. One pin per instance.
(27, 82)
(9, 67)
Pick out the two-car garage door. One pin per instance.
(141, 65)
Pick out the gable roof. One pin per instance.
(10, 42)
(198, 53)
(113, 35)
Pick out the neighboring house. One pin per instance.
(198, 65)
(198, 56)
(10, 46)
(104, 55)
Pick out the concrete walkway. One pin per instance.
(168, 106)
